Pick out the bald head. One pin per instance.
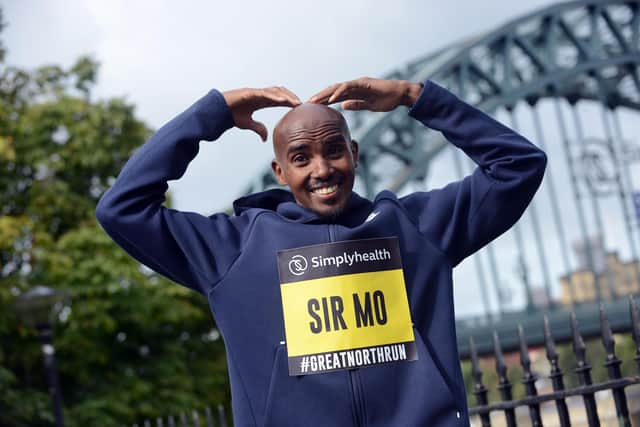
(306, 120)
(316, 158)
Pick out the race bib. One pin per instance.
(345, 306)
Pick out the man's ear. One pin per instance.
(278, 172)
(354, 152)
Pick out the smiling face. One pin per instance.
(315, 157)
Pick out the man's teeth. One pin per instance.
(326, 190)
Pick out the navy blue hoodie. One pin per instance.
(231, 259)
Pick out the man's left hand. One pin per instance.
(371, 94)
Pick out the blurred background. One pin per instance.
(84, 83)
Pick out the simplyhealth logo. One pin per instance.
(298, 265)
(338, 258)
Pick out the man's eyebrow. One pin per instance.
(297, 147)
(337, 139)
(332, 139)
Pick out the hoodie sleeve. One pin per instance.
(466, 215)
(188, 248)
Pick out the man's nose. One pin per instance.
(322, 169)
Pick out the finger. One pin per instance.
(361, 88)
(271, 97)
(340, 92)
(258, 128)
(354, 89)
(323, 96)
(292, 96)
(355, 104)
(276, 97)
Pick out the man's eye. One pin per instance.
(334, 151)
(299, 158)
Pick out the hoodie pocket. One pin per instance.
(408, 393)
(432, 364)
(311, 400)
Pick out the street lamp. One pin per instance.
(37, 307)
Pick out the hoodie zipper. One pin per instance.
(359, 418)
(332, 232)
(357, 397)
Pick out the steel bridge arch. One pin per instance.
(574, 50)
(563, 54)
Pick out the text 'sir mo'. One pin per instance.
(327, 313)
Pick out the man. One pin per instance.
(335, 310)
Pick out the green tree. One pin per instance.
(132, 344)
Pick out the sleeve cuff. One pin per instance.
(214, 114)
(431, 101)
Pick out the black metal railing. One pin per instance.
(192, 419)
(616, 383)
(533, 400)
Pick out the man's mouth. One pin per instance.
(325, 190)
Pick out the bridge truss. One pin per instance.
(543, 66)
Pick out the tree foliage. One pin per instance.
(131, 344)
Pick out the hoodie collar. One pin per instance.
(283, 202)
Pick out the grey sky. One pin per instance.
(163, 55)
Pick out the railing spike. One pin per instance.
(501, 366)
(159, 422)
(504, 385)
(208, 416)
(583, 370)
(549, 343)
(183, 420)
(528, 378)
(479, 390)
(222, 419)
(613, 369)
(196, 418)
(555, 374)
(607, 335)
(476, 372)
(525, 360)
(171, 421)
(579, 348)
(635, 326)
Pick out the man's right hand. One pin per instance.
(243, 103)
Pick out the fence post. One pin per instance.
(479, 390)
(529, 379)
(635, 327)
(583, 370)
(555, 374)
(613, 369)
(208, 416)
(504, 385)
(222, 419)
